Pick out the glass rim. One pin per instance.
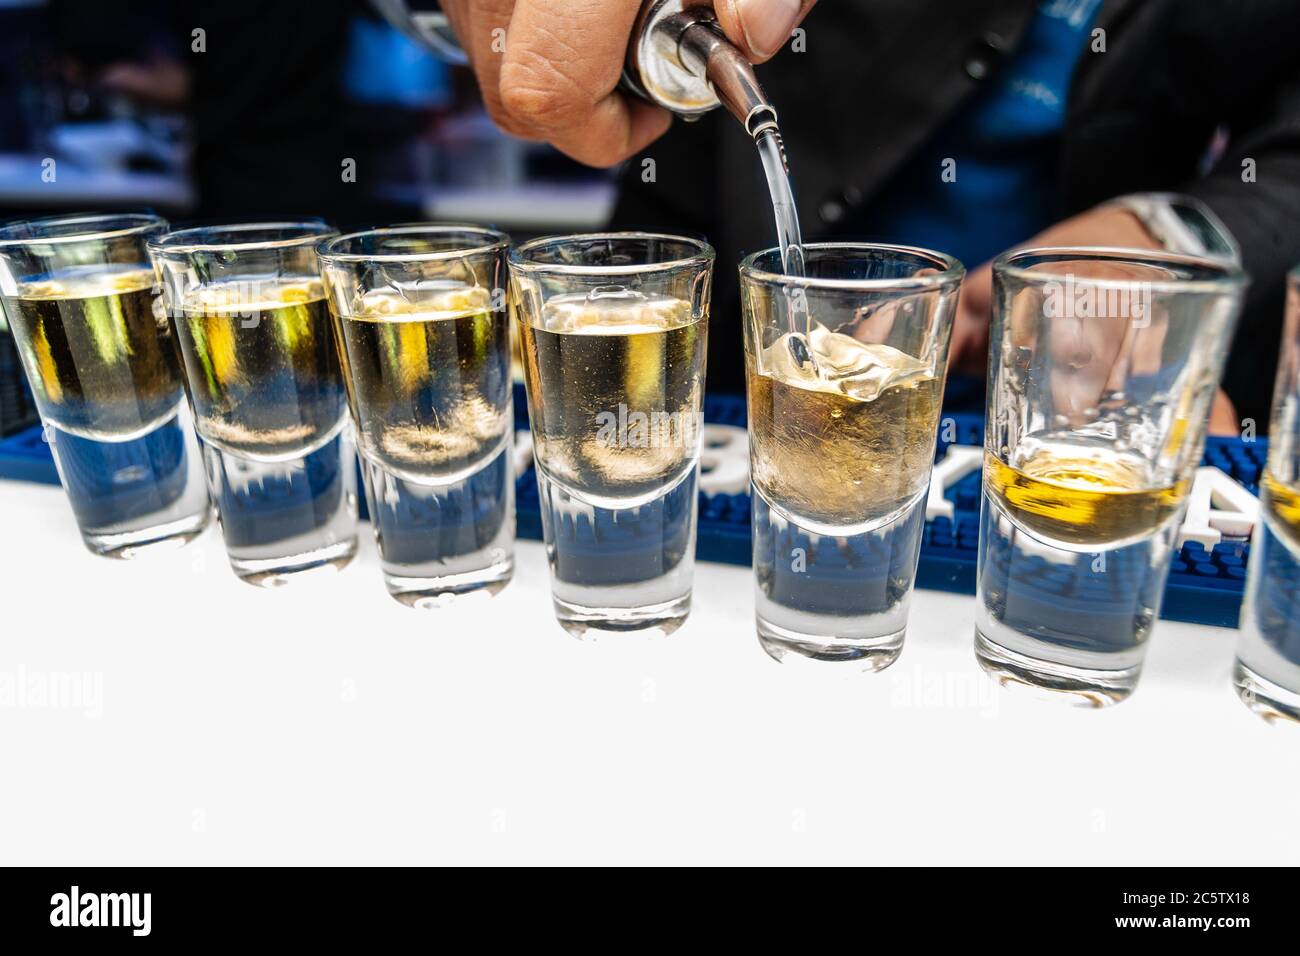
(953, 270)
(185, 241)
(1229, 274)
(495, 241)
(704, 254)
(127, 224)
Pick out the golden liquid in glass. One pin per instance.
(1081, 499)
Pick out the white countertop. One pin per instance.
(324, 723)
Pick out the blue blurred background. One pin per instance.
(100, 110)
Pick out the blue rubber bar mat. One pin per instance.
(1205, 585)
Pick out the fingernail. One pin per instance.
(767, 23)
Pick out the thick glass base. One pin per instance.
(282, 520)
(441, 542)
(617, 570)
(279, 571)
(1270, 701)
(1050, 680)
(436, 592)
(868, 654)
(137, 496)
(146, 541)
(651, 620)
(821, 597)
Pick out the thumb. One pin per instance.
(760, 27)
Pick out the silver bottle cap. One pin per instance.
(654, 66)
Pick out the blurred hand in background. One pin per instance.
(158, 80)
(1104, 226)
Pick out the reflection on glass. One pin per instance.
(845, 371)
(263, 376)
(78, 294)
(424, 338)
(1103, 367)
(614, 332)
(1268, 654)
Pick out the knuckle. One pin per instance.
(544, 93)
(533, 104)
(504, 119)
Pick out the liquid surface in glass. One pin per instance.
(1083, 497)
(101, 359)
(616, 384)
(846, 441)
(429, 377)
(262, 365)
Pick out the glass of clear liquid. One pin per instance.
(845, 372)
(1103, 365)
(1267, 675)
(614, 331)
(424, 331)
(79, 296)
(265, 384)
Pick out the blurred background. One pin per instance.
(108, 90)
(103, 107)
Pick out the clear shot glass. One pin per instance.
(79, 295)
(1103, 365)
(1267, 675)
(845, 372)
(614, 331)
(264, 381)
(424, 335)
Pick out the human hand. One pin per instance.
(1103, 226)
(549, 69)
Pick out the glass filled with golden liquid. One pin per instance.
(1103, 365)
(262, 372)
(1267, 675)
(424, 336)
(614, 329)
(845, 370)
(79, 296)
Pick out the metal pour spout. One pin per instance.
(705, 51)
(681, 60)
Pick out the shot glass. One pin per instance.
(614, 332)
(1102, 368)
(1267, 674)
(79, 295)
(263, 377)
(424, 336)
(845, 372)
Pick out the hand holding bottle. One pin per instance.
(549, 69)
